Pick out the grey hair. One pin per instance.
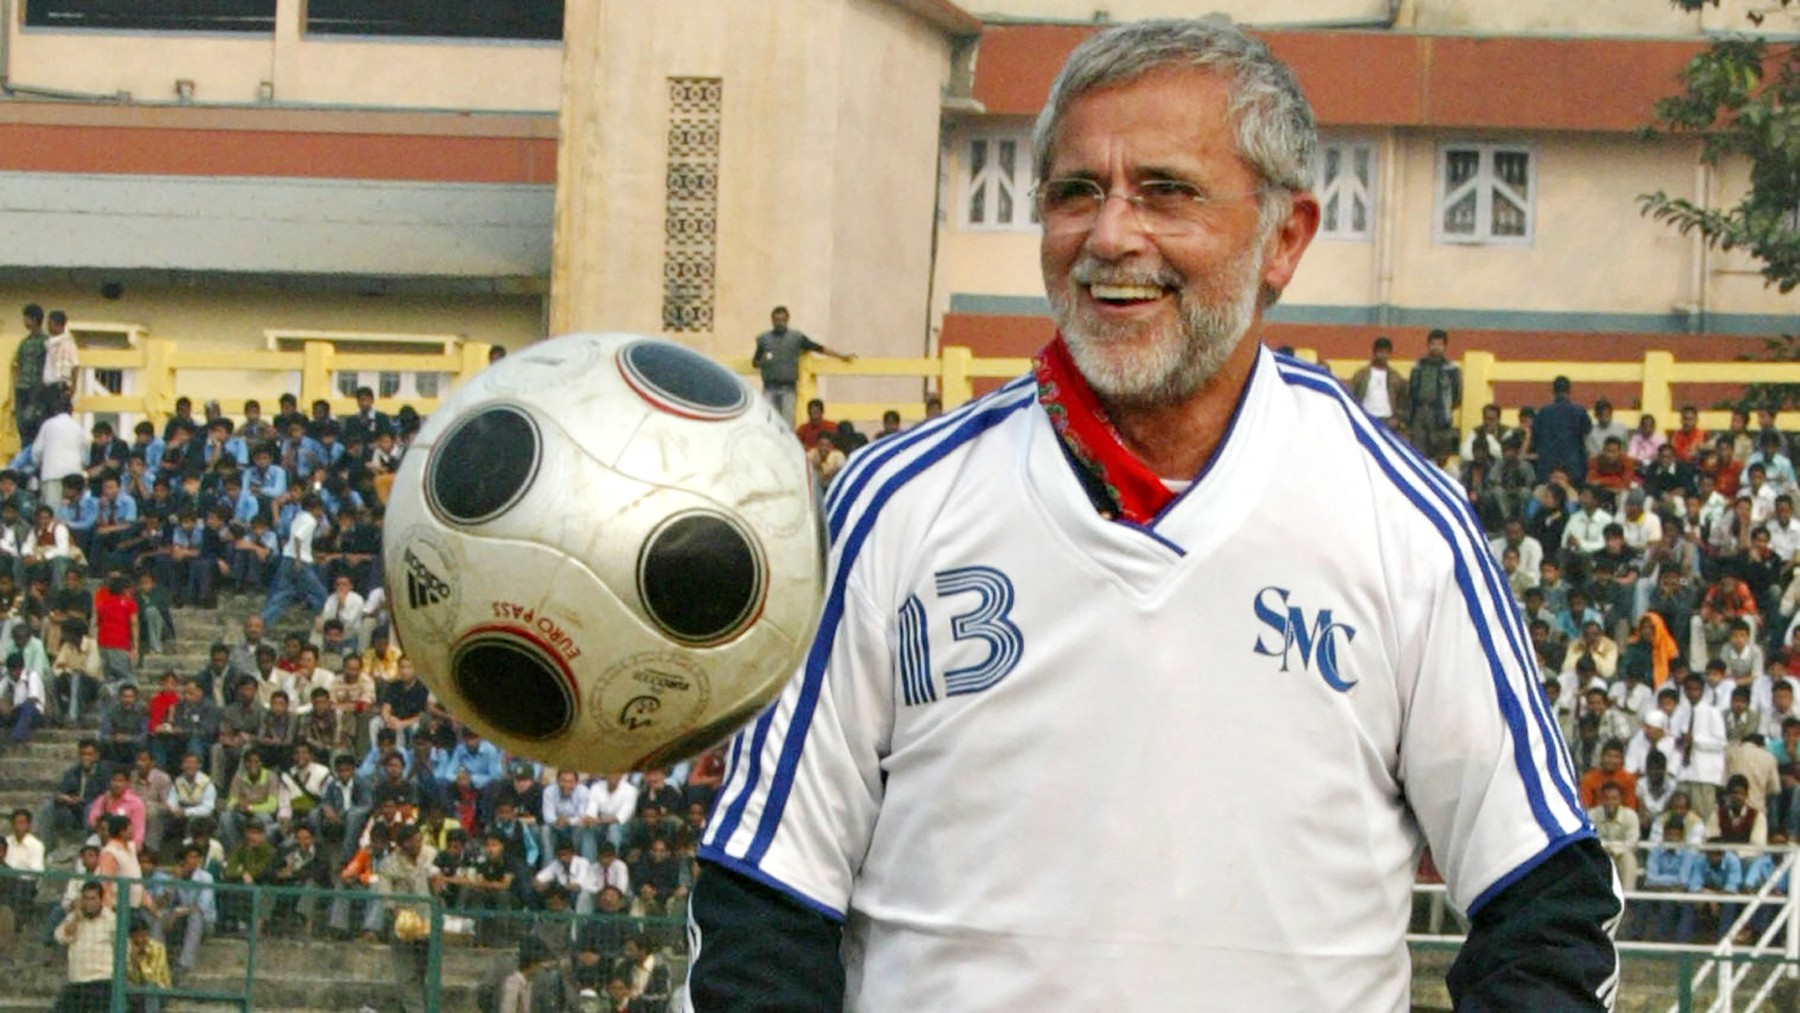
(1274, 122)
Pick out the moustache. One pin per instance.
(1090, 270)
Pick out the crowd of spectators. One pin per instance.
(829, 444)
(312, 756)
(1655, 570)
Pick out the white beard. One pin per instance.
(1164, 367)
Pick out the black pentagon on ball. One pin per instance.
(683, 381)
(483, 465)
(700, 577)
(512, 685)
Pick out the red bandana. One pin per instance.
(1137, 494)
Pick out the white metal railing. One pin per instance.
(1771, 956)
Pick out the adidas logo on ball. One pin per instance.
(422, 586)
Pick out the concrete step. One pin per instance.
(42, 747)
(332, 990)
(16, 798)
(18, 772)
(360, 961)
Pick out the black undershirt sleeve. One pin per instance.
(759, 950)
(1544, 943)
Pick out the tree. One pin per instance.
(1741, 97)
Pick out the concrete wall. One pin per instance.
(409, 73)
(826, 193)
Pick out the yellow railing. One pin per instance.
(156, 364)
(953, 373)
(1655, 376)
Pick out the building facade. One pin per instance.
(493, 171)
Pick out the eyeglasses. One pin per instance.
(1164, 207)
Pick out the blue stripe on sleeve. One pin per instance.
(1456, 508)
(1561, 771)
(794, 740)
(1452, 497)
(867, 463)
(1510, 708)
(719, 833)
(955, 430)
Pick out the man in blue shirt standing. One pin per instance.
(1560, 435)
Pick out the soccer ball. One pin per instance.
(604, 552)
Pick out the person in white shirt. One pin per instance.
(61, 357)
(872, 825)
(24, 853)
(1585, 531)
(1714, 505)
(1700, 743)
(307, 677)
(1784, 530)
(57, 449)
(21, 699)
(374, 617)
(611, 804)
(1763, 494)
(1619, 831)
(566, 875)
(1489, 432)
(1633, 697)
(88, 931)
(1652, 736)
(1377, 386)
(344, 605)
(1531, 551)
(608, 869)
(1643, 528)
(565, 815)
(302, 788)
(1743, 658)
(1781, 707)
(298, 576)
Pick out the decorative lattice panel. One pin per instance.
(690, 216)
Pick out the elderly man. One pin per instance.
(1090, 565)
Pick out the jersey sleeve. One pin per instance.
(1482, 763)
(804, 783)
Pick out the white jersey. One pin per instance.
(1039, 760)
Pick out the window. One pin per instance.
(154, 15)
(1347, 185)
(997, 190)
(457, 19)
(1485, 193)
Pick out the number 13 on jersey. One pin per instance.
(980, 601)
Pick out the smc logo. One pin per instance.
(1291, 629)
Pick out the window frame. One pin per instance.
(116, 19)
(1348, 145)
(1485, 181)
(1024, 177)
